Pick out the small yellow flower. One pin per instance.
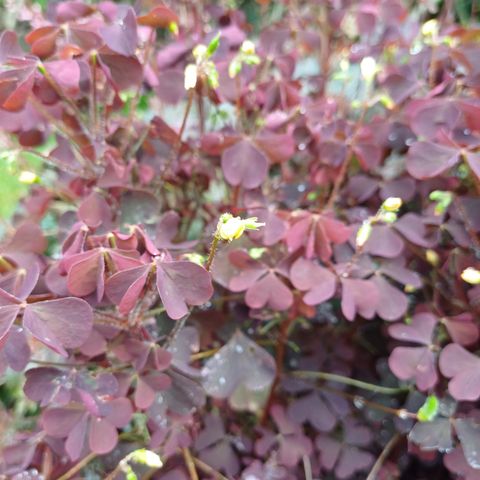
(471, 275)
(392, 204)
(248, 47)
(230, 228)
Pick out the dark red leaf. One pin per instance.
(243, 164)
(181, 284)
(59, 324)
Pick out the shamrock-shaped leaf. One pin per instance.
(59, 324)
(468, 432)
(434, 435)
(290, 440)
(167, 229)
(244, 164)
(359, 296)
(215, 447)
(98, 424)
(428, 159)
(121, 36)
(319, 282)
(240, 361)
(461, 328)
(182, 283)
(262, 284)
(346, 457)
(456, 462)
(463, 368)
(86, 271)
(415, 362)
(316, 233)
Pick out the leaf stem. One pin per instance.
(93, 105)
(176, 330)
(333, 377)
(178, 146)
(78, 466)
(282, 342)
(359, 400)
(4, 263)
(59, 91)
(189, 462)
(339, 181)
(211, 253)
(373, 475)
(208, 469)
(136, 97)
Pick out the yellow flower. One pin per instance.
(230, 228)
(471, 275)
(248, 47)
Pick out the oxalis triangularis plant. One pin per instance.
(246, 250)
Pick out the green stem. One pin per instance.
(77, 467)
(178, 146)
(373, 475)
(4, 263)
(211, 254)
(333, 377)
(154, 311)
(58, 90)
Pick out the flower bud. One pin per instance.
(199, 52)
(388, 217)
(432, 257)
(363, 234)
(190, 80)
(368, 68)
(27, 177)
(146, 457)
(471, 275)
(392, 204)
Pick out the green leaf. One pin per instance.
(429, 410)
(213, 45)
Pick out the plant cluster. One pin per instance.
(247, 250)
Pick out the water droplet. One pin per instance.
(467, 131)
(409, 141)
(403, 414)
(359, 402)
(238, 348)
(302, 146)
(301, 187)
(392, 137)
(222, 380)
